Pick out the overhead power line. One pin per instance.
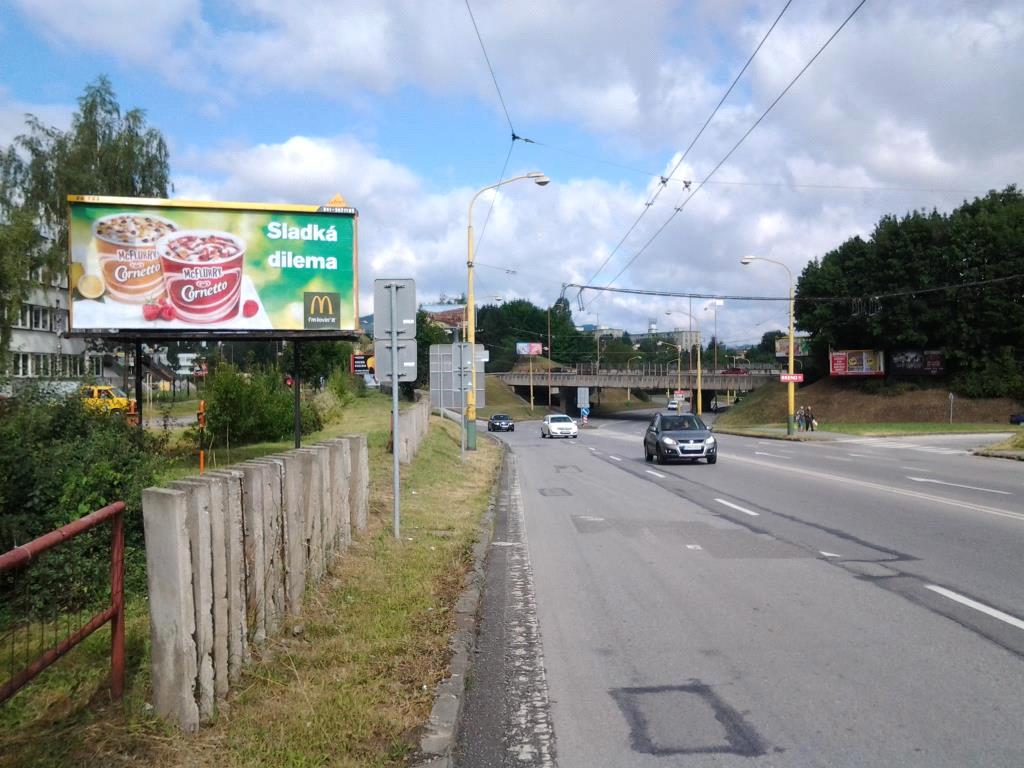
(665, 179)
(679, 208)
(501, 178)
(487, 58)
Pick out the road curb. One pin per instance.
(1014, 455)
(438, 735)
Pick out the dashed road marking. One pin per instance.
(738, 508)
(957, 485)
(836, 458)
(693, 546)
(827, 554)
(862, 455)
(995, 613)
(773, 455)
(614, 458)
(656, 474)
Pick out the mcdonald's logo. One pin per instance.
(321, 310)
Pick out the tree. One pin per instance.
(104, 152)
(929, 281)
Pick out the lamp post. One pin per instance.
(635, 357)
(679, 364)
(540, 180)
(715, 304)
(700, 390)
(790, 385)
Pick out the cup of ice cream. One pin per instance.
(126, 246)
(202, 273)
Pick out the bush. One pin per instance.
(252, 408)
(59, 462)
(1001, 375)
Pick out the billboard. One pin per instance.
(917, 362)
(856, 362)
(528, 348)
(801, 346)
(170, 266)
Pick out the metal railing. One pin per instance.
(35, 635)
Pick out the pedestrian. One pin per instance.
(800, 419)
(811, 422)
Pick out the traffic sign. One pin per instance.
(794, 377)
(405, 308)
(406, 360)
(584, 412)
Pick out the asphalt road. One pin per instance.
(846, 603)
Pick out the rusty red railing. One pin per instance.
(21, 557)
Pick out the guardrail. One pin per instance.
(23, 557)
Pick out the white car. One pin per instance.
(673, 405)
(558, 425)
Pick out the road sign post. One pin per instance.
(394, 323)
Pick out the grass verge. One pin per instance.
(351, 689)
(911, 428)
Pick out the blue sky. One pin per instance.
(914, 105)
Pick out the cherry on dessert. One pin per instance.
(250, 308)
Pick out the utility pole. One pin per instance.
(549, 358)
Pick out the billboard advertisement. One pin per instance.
(142, 265)
(801, 346)
(528, 348)
(917, 362)
(856, 362)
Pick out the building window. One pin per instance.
(20, 366)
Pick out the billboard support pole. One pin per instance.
(297, 384)
(138, 382)
(393, 290)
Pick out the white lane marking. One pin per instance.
(591, 449)
(835, 458)
(591, 518)
(773, 455)
(957, 485)
(916, 469)
(693, 546)
(738, 508)
(614, 458)
(995, 613)
(656, 474)
(996, 511)
(827, 554)
(862, 455)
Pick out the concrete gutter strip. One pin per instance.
(438, 737)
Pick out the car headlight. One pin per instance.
(668, 441)
(710, 440)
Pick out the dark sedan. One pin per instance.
(1017, 418)
(501, 422)
(679, 436)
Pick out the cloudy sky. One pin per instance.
(915, 105)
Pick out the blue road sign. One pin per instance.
(584, 412)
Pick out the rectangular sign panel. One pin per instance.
(148, 265)
(360, 364)
(407, 370)
(405, 307)
(857, 362)
(801, 346)
(582, 397)
(794, 377)
(917, 362)
(451, 377)
(528, 348)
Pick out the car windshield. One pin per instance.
(680, 423)
(560, 420)
(500, 417)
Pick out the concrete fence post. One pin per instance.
(359, 486)
(197, 497)
(218, 489)
(172, 615)
(341, 468)
(273, 541)
(294, 532)
(255, 562)
(235, 571)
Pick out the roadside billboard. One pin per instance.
(917, 362)
(856, 362)
(801, 346)
(170, 266)
(529, 348)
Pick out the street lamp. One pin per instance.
(790, 385)
(700, 390)
(540, 180)
(679, 364)
(630, 360)
(715, 304)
